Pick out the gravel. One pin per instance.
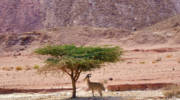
(86, 95)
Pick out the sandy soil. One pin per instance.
(139, 66)
(149, 65)
(85, 95)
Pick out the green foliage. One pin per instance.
(85, 58)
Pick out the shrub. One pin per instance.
(18, 68)
(36, 67)
(142, 62)
(154, 62)
(27, 68)
(158, 59)
(169, 56)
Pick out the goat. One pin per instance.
(94, 86)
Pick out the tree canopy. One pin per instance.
(86, 58)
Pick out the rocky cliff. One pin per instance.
(27, 15)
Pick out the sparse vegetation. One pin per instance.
(142, 62)
(36, 67)
(154, 62)
(27, 68)
(157, 60)
(169, 56)
(74, 60)
(19, 68)
(7, 68)
(129, 62)
(171, 91)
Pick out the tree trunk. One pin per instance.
(74, 88)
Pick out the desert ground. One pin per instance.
(137, 66)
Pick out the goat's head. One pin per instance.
(87, 77)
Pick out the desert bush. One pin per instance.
(171, 91)
(18, 68)
(142, 62)
(27, 68)
(154, 62)
(169, 56)
(157, 60)
(36, 67)
(129, 62)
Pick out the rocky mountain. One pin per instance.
(26, 15)
(166, 32)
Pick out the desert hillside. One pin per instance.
(164, 33)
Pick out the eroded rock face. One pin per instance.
(27, 15)
(20, 15)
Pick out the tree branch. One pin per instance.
(78, 74)
(66, 71)
(72, 72)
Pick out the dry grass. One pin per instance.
(171, 91)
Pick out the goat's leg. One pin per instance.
(100, 92)
(93, 92)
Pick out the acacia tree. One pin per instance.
(74, 60)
